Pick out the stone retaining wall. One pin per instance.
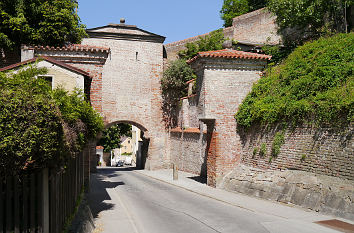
(330, 195)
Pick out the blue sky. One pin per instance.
(176, 20)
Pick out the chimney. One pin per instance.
(27, 53)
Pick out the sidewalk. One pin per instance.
(292, 216)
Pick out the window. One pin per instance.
(48, 79)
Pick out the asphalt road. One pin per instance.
(125, 201)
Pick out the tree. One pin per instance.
(234, 8)
(111, 136)
(309, 19)
(45, 22)
(173, 85)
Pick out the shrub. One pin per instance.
(81, 121)
(38, 127)
(31, 132)
(313, 85)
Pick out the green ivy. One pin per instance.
(255, 151)
(278, 141)
(314, 84)
(263, 150)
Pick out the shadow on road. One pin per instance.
(99, 184)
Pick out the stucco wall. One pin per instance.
(62, 77)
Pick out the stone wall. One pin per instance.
(329, 195)
(324, 151)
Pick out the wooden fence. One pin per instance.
(41, 201)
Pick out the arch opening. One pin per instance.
(123, 144)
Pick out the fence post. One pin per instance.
(45, 201)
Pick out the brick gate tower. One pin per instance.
(129, 88)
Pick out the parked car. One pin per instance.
(120, 163)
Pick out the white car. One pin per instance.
(128, 160)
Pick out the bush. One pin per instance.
(81, 121)
(38, 127)
(313, 85)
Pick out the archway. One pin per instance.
(125, 144)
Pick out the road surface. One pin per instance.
(123, 200)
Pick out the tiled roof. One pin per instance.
(231, 54)
(74, 47)
(187, 130)
(99, 147)
(51, 60)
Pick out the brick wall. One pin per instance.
(251, 29)
(223, 86)
(188, 150)
(321, 151)
(257, 27)
(125, 64)
(173, 48)
(129, 90)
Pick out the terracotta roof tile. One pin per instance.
(74, 47)
(187, 130)
(51, 60)
(190, 81)
(231, 54)
(99, 147)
